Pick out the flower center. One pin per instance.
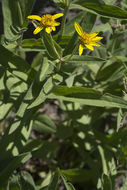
(47, 20)
(85, 38)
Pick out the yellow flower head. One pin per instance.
(47, 22)
(88, 40)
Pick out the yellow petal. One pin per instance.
(38, 29)
(96, 39)
(78, 28)
(94, 34)
(53, 28)
(95, 44)
(89, 47)
(57, 15)
(34, 17)
(56, 23)
(80, 49)
(48, 30)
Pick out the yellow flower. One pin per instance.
(88, 40)
(47, 22)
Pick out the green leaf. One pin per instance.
(16, 65)
(77, 61)
(13, 19)
(79, 175)
(13, 183)
(32, 45)
(18, 132)
(76, 92)
(46, 151)
(69, 27)
(102, 9)
(54, 181)
(70, 80)
(107, 183)
(37, 45)
(47, 86)
(85, 60)
(68, 185)
(4, 109)
(115, 99)
(32, 145)
(14, 87)
(44, 124)
(78, 64)
(26, 181)
(111, 72)
(119, 119)
(44, 188)
(26, 7)
(53, 49)
(87, 96)
(103, 27)
(37, 60)
(104, 163)
(10, 167)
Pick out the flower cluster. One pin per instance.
(48, 23)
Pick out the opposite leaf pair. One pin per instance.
(48, 23)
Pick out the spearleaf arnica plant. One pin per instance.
(63, 106)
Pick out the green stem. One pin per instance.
(54, 47)
(58, 66)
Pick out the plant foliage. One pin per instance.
(63, 118)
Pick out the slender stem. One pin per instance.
(58, 65)
(54, 47)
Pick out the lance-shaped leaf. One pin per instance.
(53, 49)
(14, 14)
(12, 164)
(101, 8)
(87, 96)
(16, 65)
